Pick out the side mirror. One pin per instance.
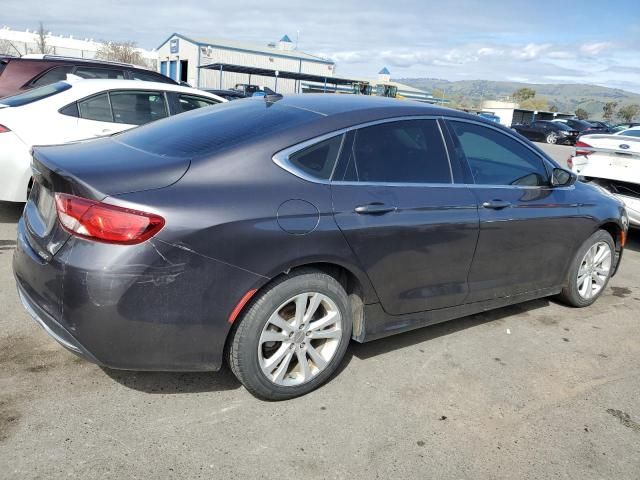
(563, 178)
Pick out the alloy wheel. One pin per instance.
(300, 339)
(552, 138)
(594, 270)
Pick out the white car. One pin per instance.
(613, 162)
(79, 109)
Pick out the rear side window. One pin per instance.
(138, 108)
(96, 108)
(191, 102)
(409, 151)
(93, 72)
(150, 77)
(35, 94)
(496, 158)
(52, 76)
(319, 159)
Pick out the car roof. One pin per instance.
(90, 85)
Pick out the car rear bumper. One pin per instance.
(141, 307)
(632, 206)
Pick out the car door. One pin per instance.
(111, 112)
(526, 236)
(413, 230)
(539, 130)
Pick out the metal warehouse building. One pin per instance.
(180, 58)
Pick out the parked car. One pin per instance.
(270, 233)
(624, 126)
(76, 110)
(613, 163)
(582, 126)
(489, 116)
(603, 126)
(547, 131)
(226, 94)
(19, 74)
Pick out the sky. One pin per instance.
(537, 41)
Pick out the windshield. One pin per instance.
(35, 94)
(630, 133)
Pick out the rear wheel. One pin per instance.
(590, 270)
(552, 138)
(292, 337)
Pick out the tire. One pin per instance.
(260, 337)
(552, 138)
(572, 294)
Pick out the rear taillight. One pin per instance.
(4, 129)
(583, 145)
(105, 223)
(570, 162)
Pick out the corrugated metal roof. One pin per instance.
(251, 47)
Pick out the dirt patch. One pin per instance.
(9, 419)
(625, 419)
(547, 320)
(621, 292)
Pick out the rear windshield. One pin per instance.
(562, 126)
(206, 130)
(35, 94)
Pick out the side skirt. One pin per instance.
(379, 324)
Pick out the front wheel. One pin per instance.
(292, 337)
(590, 270)
(552, 138)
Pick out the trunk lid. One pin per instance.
(612, 157)
(94, 169)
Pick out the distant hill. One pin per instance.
(567, 97)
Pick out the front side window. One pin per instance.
(137, 108)
(96, 72)
(410, 151)
(52, 76)
(496, 158)
(318, 160)
(191, 102)
(96, 108)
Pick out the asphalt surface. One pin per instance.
(537, 390)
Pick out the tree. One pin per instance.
(42, 46)
(523, 94)
(608, 110)
(539, 104)
(629, 112)
(582, 114)
(124, 52)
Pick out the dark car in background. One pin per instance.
(18, 74)
(269, 233)
(603, 126)
(548, 131)
(624, 126)
(582, 126)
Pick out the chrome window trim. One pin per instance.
(281, 158)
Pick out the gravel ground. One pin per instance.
(536, 390)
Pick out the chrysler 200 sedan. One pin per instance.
(270, 232)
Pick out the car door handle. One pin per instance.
(375, 208)
(496, 204)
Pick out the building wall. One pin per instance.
(201, 55)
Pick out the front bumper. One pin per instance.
(151, 306)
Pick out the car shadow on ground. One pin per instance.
(10, 212)
(175, 382)
(420, 335)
